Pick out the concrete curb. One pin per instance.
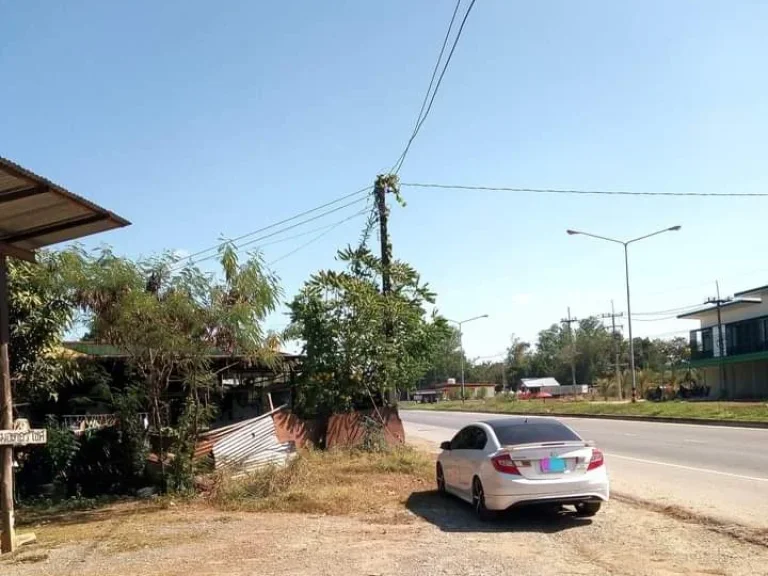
(663, 419)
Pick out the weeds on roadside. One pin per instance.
(329, 482)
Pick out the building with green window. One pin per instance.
(733, 361)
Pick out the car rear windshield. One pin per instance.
(510, 434)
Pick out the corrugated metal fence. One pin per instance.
(247, 445)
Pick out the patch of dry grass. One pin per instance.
(332, 482)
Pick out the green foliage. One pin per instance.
(340, 317)
(41, 308)
(446, 359)
(481, 394)
(128, 406)
(104, 461)
(196, 415)
(49, 463)
(167, 318)
(374, 439)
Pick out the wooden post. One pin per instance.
(6, 416)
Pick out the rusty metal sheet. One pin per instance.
(248, 445)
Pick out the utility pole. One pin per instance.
(504, 375)
(616, 353)
(380, 192)
(570, 321)
(6, 416)
(721, 348)
(380, 189)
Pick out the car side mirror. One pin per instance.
(445, 445)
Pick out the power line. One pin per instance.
(583, 192)
(680, 310)
(419, 123)
(238, 248)
(310, 231)
(316, 238)
(429, 88)
(670, 333)
(190, 258)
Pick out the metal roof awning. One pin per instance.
(35, 213)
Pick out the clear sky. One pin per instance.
(198, 119)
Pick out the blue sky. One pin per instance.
(195, 120)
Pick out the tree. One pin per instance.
(168, 319)
(518, 362)
(446, 359)
(486, 372)
(339, 317)
(41, 308)
(548, 357)
(594, 345)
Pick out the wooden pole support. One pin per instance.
(6, 417)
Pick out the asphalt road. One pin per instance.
(722, 472)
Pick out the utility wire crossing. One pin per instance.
(423, 113)
(584, 192)
(328, 230)
(192, 258)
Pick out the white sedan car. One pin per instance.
(507, 462)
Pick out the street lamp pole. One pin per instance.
(460, 324)
(626, 244)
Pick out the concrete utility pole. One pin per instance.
(380, 189)
(570, 321)
(379, 192)
(719, 302)
(613, 315)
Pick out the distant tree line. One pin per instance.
(593, 350)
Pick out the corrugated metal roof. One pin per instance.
(35, 212)
(98, 349)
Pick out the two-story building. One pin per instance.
(734, 364)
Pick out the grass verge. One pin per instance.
(330, 482)
(731, 411)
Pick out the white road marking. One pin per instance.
(692, 468)
(628, 434)
(692, 441)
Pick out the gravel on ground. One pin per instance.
(424, 536)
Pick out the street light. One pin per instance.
(626, 272)
(461, 345)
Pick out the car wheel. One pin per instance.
(440, 479)
(587, 509)
(478, 500)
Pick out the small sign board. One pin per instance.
(23, 437)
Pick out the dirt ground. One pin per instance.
(425, 536)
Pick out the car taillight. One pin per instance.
(504, 463)
(596, 461)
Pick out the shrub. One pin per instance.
(49, 463)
